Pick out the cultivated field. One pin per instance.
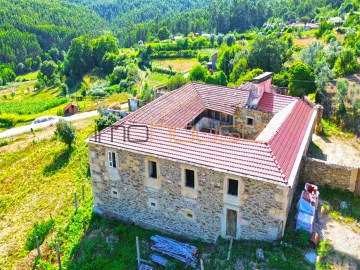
(180, 64)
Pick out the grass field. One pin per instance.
(180, 64)
(156, 79)
(37, 184)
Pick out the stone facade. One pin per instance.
(260, 120)
(321, 172)
(166, 204)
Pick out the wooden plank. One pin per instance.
(138, 251)
(230, 247)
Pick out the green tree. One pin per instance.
(239, 68)
(79, 58)
(163, 33)
(302, 79)
(230, 39)
(346, 63)
(198, 73)
(66, 132)
(268, 53)
(218, 78)
(212, 40)
(103, 45)
(341, 93)
(48, 69)
(107, 120)
(310, 53)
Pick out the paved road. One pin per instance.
(23, 129)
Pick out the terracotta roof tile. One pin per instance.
(271, 157)
(273, 102)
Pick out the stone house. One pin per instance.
(204, 161)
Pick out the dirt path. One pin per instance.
(344, 238)
(339, 149)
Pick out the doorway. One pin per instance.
(231, 223)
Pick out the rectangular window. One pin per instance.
(189, 178)
(229, 119)
(112, 160)
(152, 169)
(249, 121)
(217, 116)
(233, 186)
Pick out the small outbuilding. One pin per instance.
(71, 109)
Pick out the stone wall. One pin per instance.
(261, 119)
(126, 194)
(321, 172)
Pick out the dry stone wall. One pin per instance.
(123, 193)
(321, 172)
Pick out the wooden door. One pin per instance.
(231, 223)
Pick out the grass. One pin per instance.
(330, 128)
(117, 98)
(28, 76)
(31, 106)
(180, 64)
(334, 197)
(156, 79)
(30, 192)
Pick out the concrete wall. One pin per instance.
(126, 193)
(261, 119)
(321, 172)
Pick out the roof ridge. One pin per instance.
(286, 118)
(275, 161)
(193, 85)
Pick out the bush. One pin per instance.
(329, 38)
(176, 82)
(97, 93)
(203, 57)
(4, 142)
(298, 238)
(198, 73)
(106, 121)
(41, 230)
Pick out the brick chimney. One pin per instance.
(263, 83)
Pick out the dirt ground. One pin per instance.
(339, 149)
(344, 238)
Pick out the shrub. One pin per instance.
(176, 82)
(198, 73)
(4, 142)
(97, 93)
(41, 230)
(106, 121)
(203, 57)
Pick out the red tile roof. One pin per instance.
(271, 157)
(179, 107)
(273, 102)
(286, 142)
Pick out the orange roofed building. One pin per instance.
(205, 161)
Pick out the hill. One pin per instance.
(28, 28)
(123, 13)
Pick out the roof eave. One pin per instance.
(300, 154)
(192, 164)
